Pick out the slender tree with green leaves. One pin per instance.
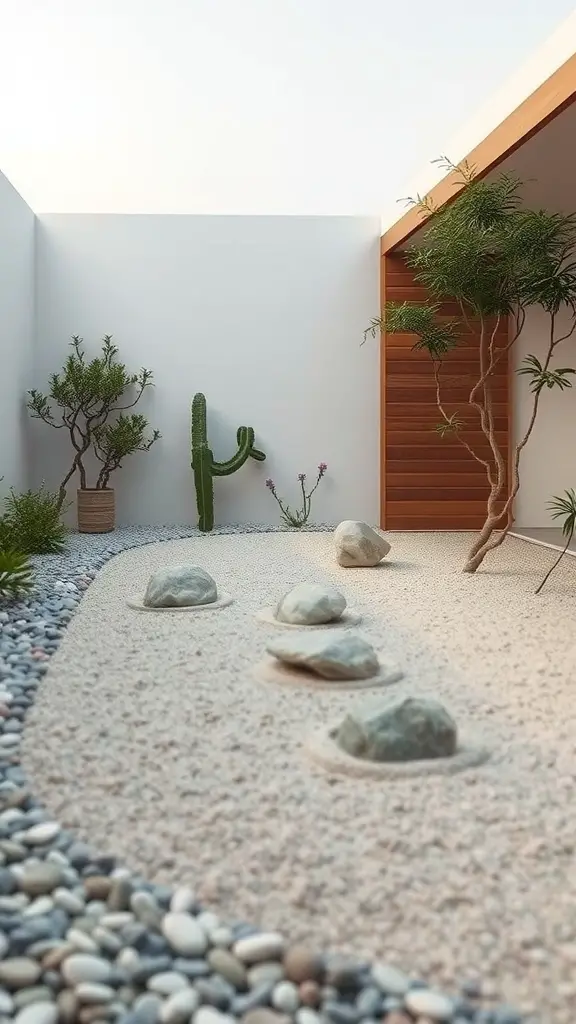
(562, 508)
(495, 259)
(89, 394)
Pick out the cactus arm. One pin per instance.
(199, 432)
(245, 438)
(205, 468)
(201, 465)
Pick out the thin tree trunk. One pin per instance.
(556, 563)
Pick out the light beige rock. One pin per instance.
(180, 586)
(311, 604)
(331, 655)
(357, 544)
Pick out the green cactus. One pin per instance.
(204, 466)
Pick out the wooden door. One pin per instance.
(429, 482)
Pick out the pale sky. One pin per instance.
(245, 106)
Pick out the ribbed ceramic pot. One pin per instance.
(96, 510)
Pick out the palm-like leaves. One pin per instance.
(564, 508)
(541, 378)
(16, 575)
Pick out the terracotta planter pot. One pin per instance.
(96, 510)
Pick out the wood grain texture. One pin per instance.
(427, 481)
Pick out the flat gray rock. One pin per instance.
(331, 655)
(311, 604)
(357, 544)
(180, 586)
(411, 730)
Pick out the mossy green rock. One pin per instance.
(411, 730)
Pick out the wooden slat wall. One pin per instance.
(430, 482)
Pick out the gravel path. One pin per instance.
(150, 738)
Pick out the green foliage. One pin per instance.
(114, 441)
(298, 518)
(204, 465)
(541, 378)
(32, 523)
(16, 575)
(451, 425)
(493, 260)
(563, 507)
(87, 393)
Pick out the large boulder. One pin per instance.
(331, 655)
(311, 604)
(357, 544)
(180, 586)
(411, 730)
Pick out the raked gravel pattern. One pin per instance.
(151, 740)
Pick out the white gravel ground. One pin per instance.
(151, 738)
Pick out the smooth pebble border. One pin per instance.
(83, 940)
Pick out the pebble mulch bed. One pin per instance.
(85, 941)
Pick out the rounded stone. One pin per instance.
(93, 992)
(180, 586)
(97, 887)
(81, 967)
(285, 997)
(267, 973)
(307, 1016)
(183, 900)
(335, 656)
(311, 604)
(357, 545)
(310, 993)
(40, 835)
(229, 967)
(262, 1015)
(38, 1013)
(184, 934)
(256, 948)
(167, 983)
(19, 972)
(40, 879)
(424, 1002)
(208, 1015)
(303, 964)
(179, 1007)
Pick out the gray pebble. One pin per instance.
(38, 1013)
(19, 972)
(167, 983)
(178, 1009)
(229, 967)
(341, 1013)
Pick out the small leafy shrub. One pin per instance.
(562, 508)
(297, 517)
(32, 522)
(16, 575)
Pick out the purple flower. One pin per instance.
(322, 468)
(301, 477)
(270, 484)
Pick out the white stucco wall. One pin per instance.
(16, 331)
(548, 465)
(263, 314)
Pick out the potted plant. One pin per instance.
(87, 394)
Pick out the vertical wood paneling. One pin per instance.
(430, 482)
